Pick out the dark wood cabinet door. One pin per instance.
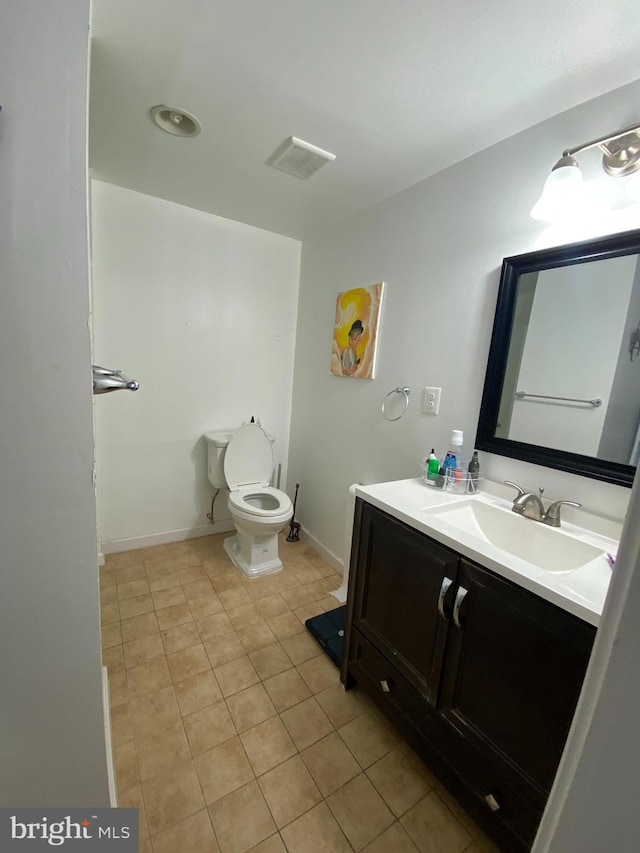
(404, 582)
(513, 673)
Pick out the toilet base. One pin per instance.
(254, 555)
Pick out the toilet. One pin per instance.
(243, 463)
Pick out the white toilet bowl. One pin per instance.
(258, 510)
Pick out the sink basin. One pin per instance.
(543, 546)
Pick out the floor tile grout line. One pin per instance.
(258, 777)
(278, 643)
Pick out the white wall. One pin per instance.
(439, 247)
(52, 746)
(594, 800)
(202, 312)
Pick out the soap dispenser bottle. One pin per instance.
(433, 466)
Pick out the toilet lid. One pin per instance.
(249, 458)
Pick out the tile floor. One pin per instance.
(231, 731)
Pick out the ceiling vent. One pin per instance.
(299, 158)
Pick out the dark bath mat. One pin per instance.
(327, 629)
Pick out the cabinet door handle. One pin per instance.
(493, 804)
(385, 686)
(460, 595)
(446, 583)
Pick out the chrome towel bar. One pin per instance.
(597, 401)
(105, 380)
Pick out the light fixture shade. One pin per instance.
(562, 192)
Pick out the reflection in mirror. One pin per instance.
(563, 380)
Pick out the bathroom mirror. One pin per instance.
(562, 387)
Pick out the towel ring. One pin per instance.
(406, 392)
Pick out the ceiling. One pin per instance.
(396, 89)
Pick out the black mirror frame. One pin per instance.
(625, 243)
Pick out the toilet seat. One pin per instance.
(248, 460)
(248, 463)
(260, 501)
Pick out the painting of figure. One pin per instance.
(355, 332)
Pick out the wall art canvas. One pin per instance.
(355, 332)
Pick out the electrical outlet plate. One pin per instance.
(431, 400)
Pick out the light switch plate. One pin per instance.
(431, 400)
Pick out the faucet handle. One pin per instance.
(552, 515)
(518, 488)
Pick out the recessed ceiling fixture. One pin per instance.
(562, 192)
(175, 121)
(299, 158)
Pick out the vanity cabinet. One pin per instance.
(480, 675)
(396, 574)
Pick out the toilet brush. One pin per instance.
(294, 527)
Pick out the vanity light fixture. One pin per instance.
(562, 192)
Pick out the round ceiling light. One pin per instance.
(175, 121)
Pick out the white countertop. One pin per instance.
(581, 592)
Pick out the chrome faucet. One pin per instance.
(531, 506)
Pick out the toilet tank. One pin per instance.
(216, 446)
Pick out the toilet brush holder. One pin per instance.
(294, 526)
(294, 532)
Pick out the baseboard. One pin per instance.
(325, 553)
(132, 543)
(100, 558)
(111, 777)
